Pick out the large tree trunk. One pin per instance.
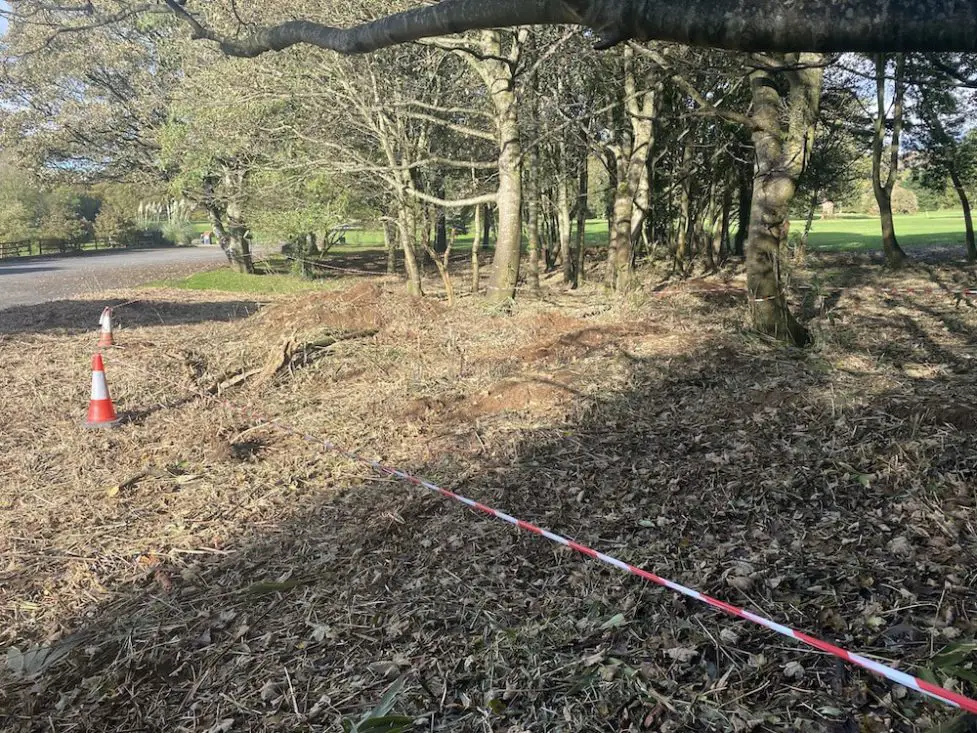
(894, 256)
(476, 246)
(496, 71)
(632, 193)
(390, 242)
(580, 252)
(239, 248)
(407, 224)
(563, 223)
(619, 235)
(782, 141)
(532, 221)
(968, 218)
(760, 25)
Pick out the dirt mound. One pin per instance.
(536, 394)
(580, 342)
(355, 309)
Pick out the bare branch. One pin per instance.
(704, 104)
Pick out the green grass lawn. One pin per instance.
(862, 234)
(850, 233)
(856, 233)
(847, 233)
(228, 280)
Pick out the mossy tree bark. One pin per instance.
(785, 111)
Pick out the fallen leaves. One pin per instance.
(820, 497)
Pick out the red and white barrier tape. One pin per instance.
(914, 683)
(967, 293)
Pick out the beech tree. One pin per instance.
(480, 123)
(793, 77)
(944, 110)
(886, 148)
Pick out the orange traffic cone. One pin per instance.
(101, 412)
(105, 337)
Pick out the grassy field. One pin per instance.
(851, 233)
(272, 277)
(862, 233)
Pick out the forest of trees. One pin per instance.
(700, 154)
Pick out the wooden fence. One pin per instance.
(28, 247)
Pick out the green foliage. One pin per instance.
(115, 224)
(19, 202)
(28, 210)
(904, 201)
(289, 208)
(837, 163)
(933, 193)
(379, 720)
(178, 231)
(61, 216)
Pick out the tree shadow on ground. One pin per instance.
(14, 262)
(23, 270)
(760, 477)
(373, 262)
(78, 316)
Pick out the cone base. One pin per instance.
(105, 342)
(101, 424)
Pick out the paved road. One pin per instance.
(32, 280)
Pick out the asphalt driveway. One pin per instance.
(33, 280)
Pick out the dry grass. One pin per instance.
(204, 573)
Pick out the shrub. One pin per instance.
(179, 232)
(114, 225)
(904, 201)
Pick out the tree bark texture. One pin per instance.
(477, 246)
(532, 222)
(580, 251)
(407, 223)
(967, 214)
(894, 256)
(743, 218)
(868, 26)
(496, 71)
(390, 242)
(563, 221)
(782, 141)
(632, 193)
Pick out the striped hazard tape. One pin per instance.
(913, 683)
(889, 292)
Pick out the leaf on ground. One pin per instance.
(682, 653)
(613, 622)
(728, 636)
(794, 670)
